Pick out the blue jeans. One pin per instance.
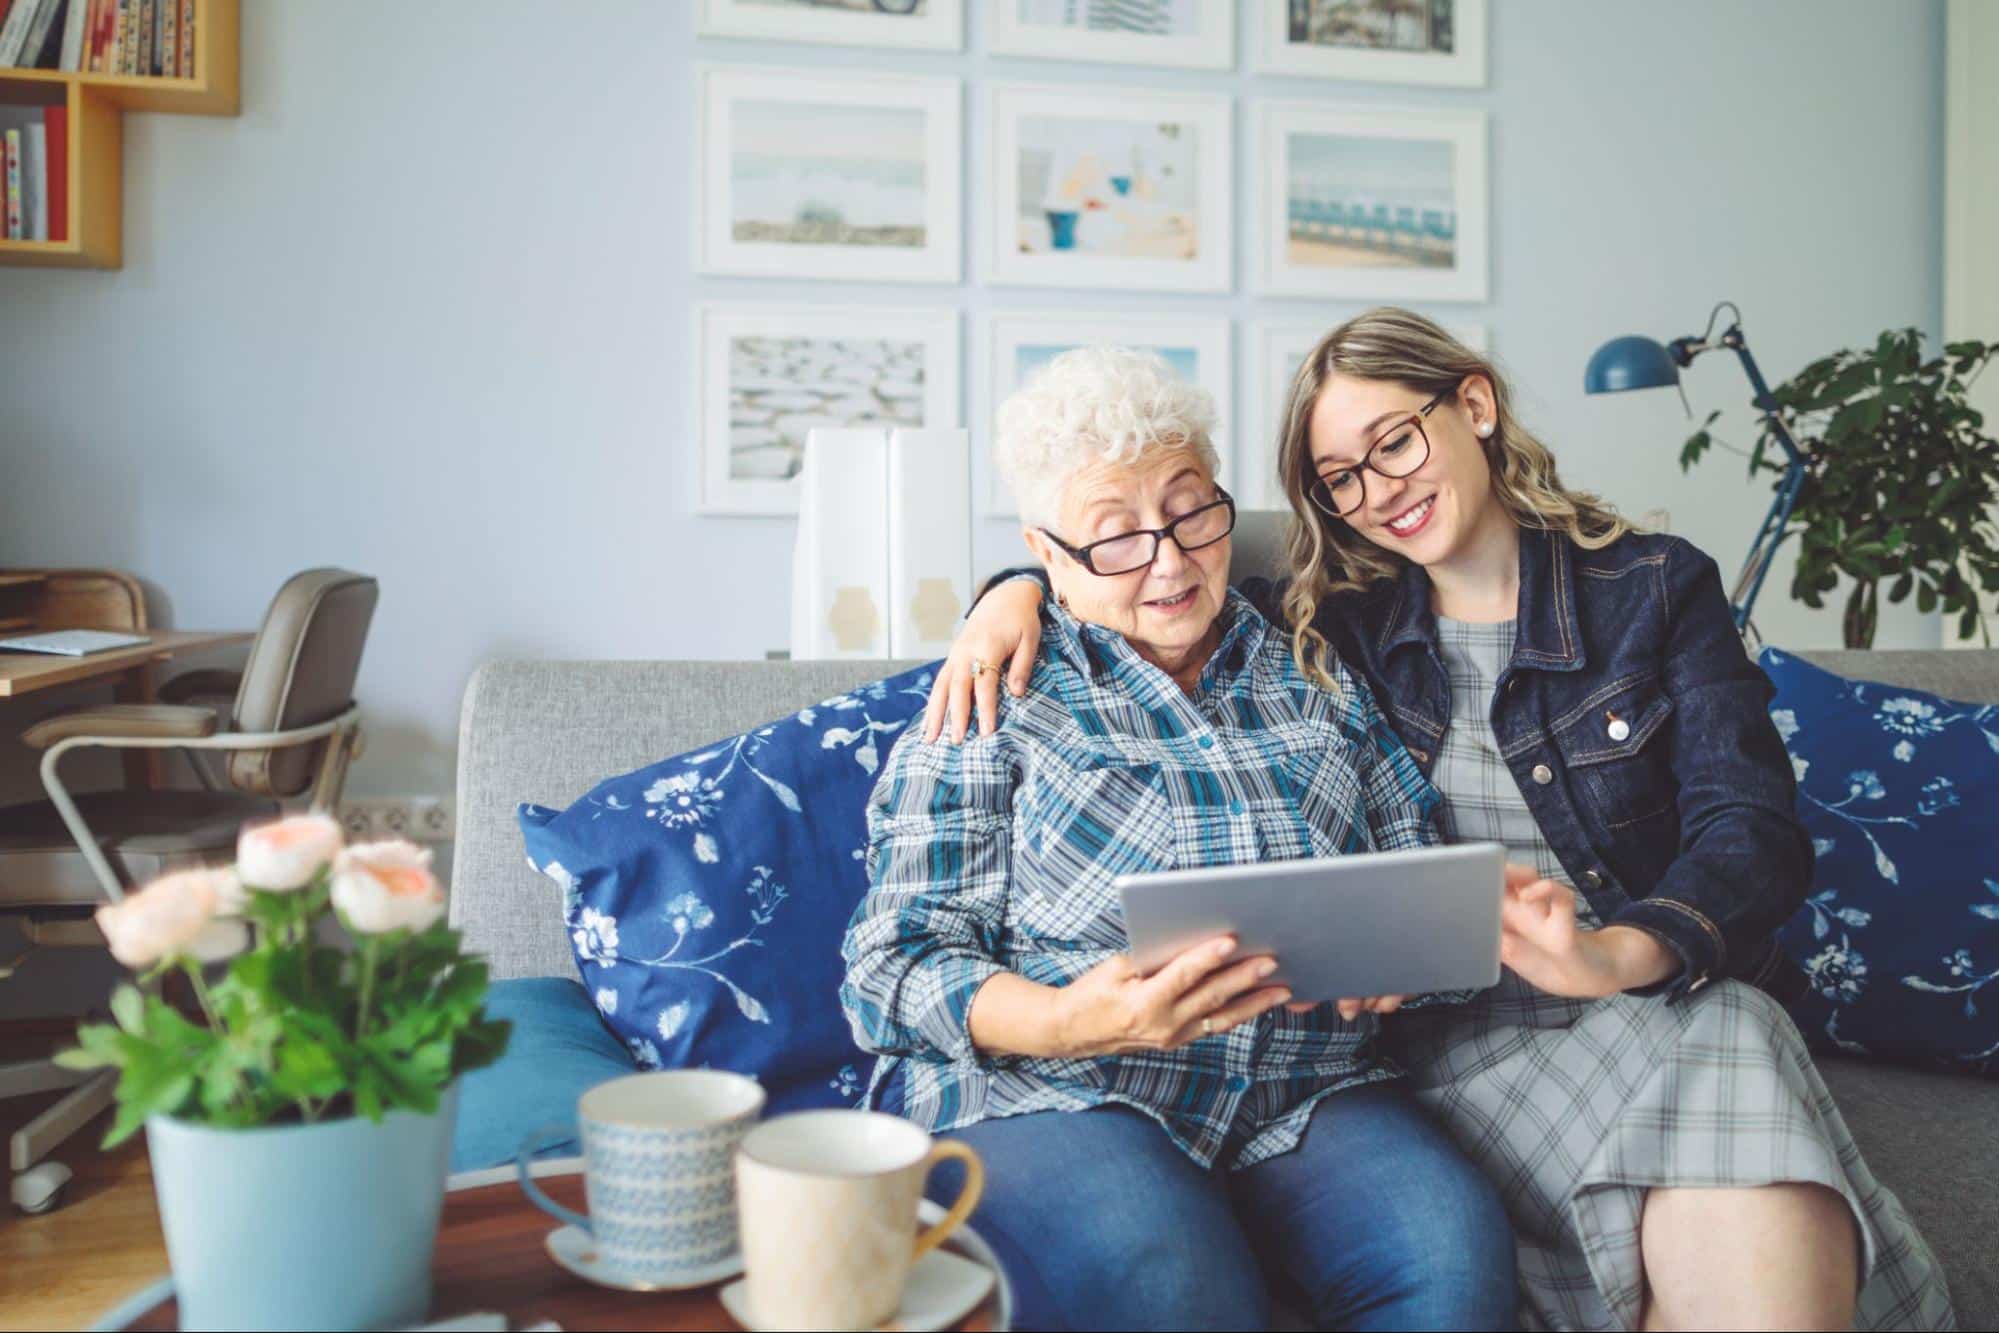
(1375, 1220)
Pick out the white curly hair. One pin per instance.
(1092, 405)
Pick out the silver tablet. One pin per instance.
(1376, 923)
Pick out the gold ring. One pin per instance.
(1207, 1027)
(979, 664)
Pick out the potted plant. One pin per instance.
(1901, 483)
(300, 1125)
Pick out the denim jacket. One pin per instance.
(1638, 730)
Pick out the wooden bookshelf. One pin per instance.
(97, 104)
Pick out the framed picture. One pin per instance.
(1108, 187)
(769, 374)
(1434, 42)
(1275, 352)
(1015, 344)
(1371, 203)
(934, 24)
(821, 174)
(1191, 34)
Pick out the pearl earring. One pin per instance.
(1484, 429)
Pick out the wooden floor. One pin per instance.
(67, 1268)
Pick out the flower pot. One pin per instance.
(322, 1226)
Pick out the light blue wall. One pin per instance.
(424, 308)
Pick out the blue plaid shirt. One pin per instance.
(998, 855)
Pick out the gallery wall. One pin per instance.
(427, 308)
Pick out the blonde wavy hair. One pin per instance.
(1326, 556)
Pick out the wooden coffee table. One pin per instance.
(490, 1257)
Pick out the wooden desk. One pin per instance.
(24, 673)
(130, 670)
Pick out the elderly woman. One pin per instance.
(1152, 1142)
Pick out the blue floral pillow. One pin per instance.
(706, 896)
(1900, 937)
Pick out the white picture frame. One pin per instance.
(940, 26)
(1462, 66)
(1005, 337)
(1210, 45)
(751, 190)
(1162, 224)
(1272, 353)
(1347, 243)
(750, 439)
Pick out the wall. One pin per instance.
(423, 309)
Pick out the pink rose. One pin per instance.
(285, 855)
(384, 886)
(174, 916)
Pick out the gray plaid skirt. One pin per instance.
(1574, 1108)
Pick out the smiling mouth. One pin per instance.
(1411, 519)
(1175, 602)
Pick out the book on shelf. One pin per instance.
(72, 36)
(32, 35)
(37, 166)
(10, 150)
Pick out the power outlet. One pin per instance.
(423, 819)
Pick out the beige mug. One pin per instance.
(827, 1202)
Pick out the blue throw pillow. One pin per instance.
(1900, 938)
(706, 896)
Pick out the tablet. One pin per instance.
(1374, 923)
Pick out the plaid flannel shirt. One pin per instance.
(999, 855)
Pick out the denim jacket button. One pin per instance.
(1619, 729)
(1592, 879)
(1543, 775)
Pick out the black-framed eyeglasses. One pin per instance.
(1396, 453)
(1130, 551)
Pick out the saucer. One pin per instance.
(576, 1251)
(943, 1288)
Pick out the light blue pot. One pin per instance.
(327, 1226)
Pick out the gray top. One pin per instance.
(1482, 802)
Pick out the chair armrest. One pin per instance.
(123, 721)
(200, 684)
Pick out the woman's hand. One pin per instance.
(1004, 629)
(1110, 1009)
(1540, 940)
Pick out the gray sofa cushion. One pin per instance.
(549, 731)
(1934, 1139)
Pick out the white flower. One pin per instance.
(1911, 717)
(705, 849)
(383, 886)
(1865, 782)
(1904, 751)
(1787, 723)
(175, 916)
(556, 871)
(1799, 765)
(596, 937)
(287, 854)
(683, 799)
(688, 912)
(644, 1052)
(1960, 963)
(670, 1019)
(1837, 973)
(607, 1000)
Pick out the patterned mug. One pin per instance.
(829, 1203)
(658, 1162)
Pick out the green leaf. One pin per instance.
(128, 1006)
(1926, 599)
(1900, 591)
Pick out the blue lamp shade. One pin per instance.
(1630, 363)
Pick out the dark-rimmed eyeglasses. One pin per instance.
(1130, 551)
(1396, 453)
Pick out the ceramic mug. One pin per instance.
(829, 1204)
(657, 1149)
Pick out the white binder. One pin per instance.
(929, 539)
(839, 592)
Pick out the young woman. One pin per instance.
(1668, 1152)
